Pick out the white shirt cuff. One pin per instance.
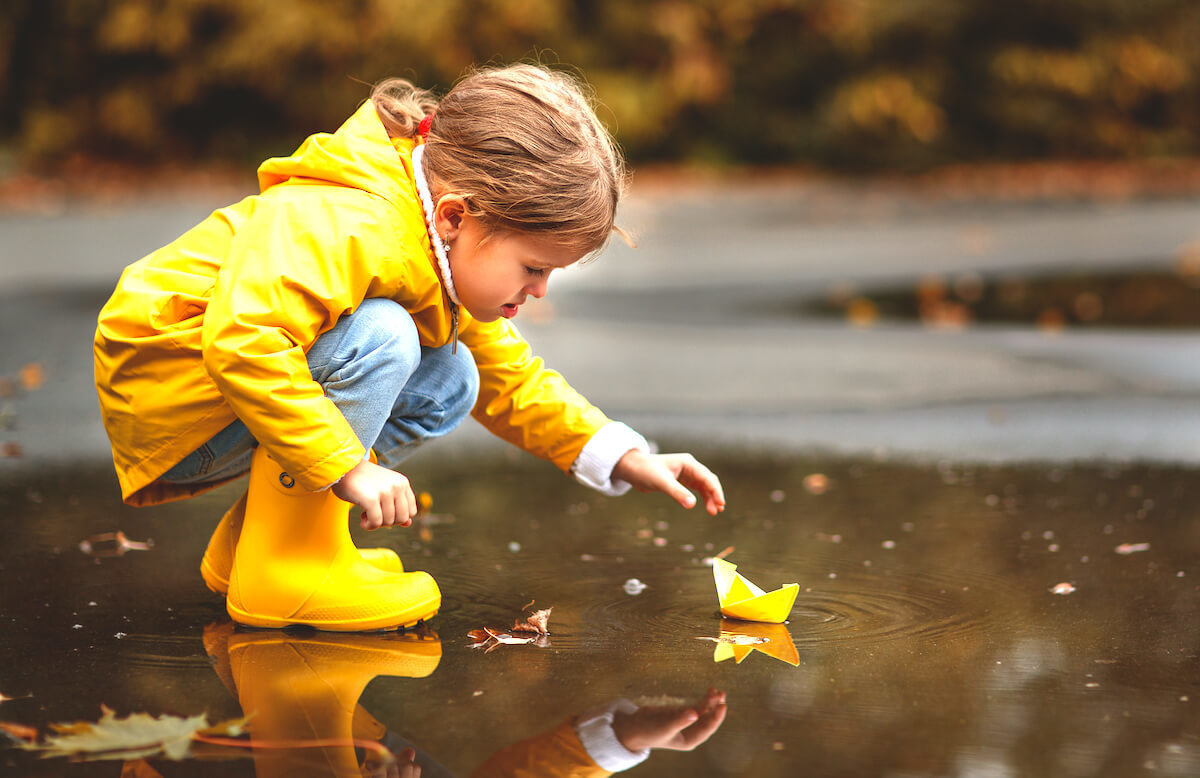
(595, 731)
(594, 465)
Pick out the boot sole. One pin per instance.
(362, 625)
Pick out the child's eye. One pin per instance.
(536, 271)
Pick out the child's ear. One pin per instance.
(448, 215)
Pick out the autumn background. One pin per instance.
(846, 85)
(1045, 101)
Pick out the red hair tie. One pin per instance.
(423, 127)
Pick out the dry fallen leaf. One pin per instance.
(99, 545)
(816, 483)
(538, 622)
(32, 376)
(19, 732)
(136, 736)
(489, 640)
(736, 640)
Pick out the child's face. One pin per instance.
(493, 278)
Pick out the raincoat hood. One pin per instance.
(359, 155)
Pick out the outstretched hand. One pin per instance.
(674, 475)
(403, 766)
(677, 729)
(385, 496)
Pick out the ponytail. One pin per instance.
(401, 106)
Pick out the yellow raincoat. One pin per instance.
(215, 325)
(554, 754)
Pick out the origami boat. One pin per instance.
(739, 638)
(741, 599)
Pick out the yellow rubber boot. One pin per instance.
(296, 564)
(298, 689)
(218, 557)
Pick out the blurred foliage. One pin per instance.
(838, 83)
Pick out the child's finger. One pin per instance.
(679, 493)
(705, 726)
(405, 508)
(371, 517)
(701, 478)
(387, 511)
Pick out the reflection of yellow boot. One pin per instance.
(218, 557)
(298, 688)
(296, 564)
(365, 726)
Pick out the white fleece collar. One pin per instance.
(439, 248)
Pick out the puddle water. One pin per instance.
(1159, 300)
(926, 639)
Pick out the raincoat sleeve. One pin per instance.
(293, 269)
(555, 754)
(523, 401)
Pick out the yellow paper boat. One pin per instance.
(739, 638)
(741, 599)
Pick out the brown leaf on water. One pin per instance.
(32, 376)
(108, 544)
(136, 736)
(489, 639)
(507, 639)
(537, 623)
(19, 732)
(535, 629)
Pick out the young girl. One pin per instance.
(317, 333)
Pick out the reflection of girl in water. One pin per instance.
(298, 688)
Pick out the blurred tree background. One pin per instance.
(835, 84)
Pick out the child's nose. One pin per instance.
(539, 287)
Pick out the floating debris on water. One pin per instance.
(816, 483)
(736, 640)
(109, 544)
(1131, 548)
(535, 629)
(634, 587)
(1062, 588)
(711, 560)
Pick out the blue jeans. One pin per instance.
(395, 393)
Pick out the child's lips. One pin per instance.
(508, 310)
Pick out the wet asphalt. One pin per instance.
(697, 336)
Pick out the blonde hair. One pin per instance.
(523, 145)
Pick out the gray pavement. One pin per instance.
(696, 336)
